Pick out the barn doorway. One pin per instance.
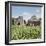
(18, 23)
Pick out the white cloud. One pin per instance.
(37, 11)
(39, 15)
(26, 15)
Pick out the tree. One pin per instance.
(24, 22)
(12, 21)
(39, 19)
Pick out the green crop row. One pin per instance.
(25, 32)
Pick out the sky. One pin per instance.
(26, 12)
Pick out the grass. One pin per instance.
(25, 32)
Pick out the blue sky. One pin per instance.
(26, 12)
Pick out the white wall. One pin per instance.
(2, 23)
